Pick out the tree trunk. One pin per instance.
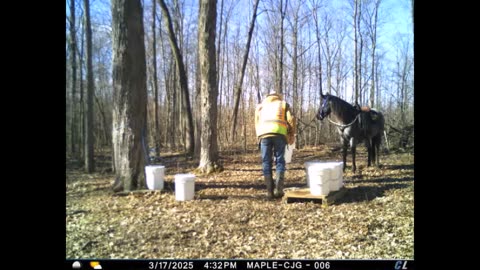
(355, 29)
(155, 83)
(280, 68)
(104, 119)
(238, 88)
(73, 52)
(82, 102)
(89, 139)
(129, 94)
(209, 91)
(319, 54)
(197, 100)
(190, 139)
(295, 62)
(374, 45)
(219, 48)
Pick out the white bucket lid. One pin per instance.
(155, 166)
(185, 177)
(155, 169)
(311, 162)
(319, 169)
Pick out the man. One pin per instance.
(275, 127)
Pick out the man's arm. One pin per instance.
(292, 126)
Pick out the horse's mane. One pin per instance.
(341, 108)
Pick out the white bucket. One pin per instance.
(184, 187)
(316, 168)
(340, 182)
(316, 189)
(333, 185)
(335, 174)
(336, 166)
(307, 165)
(154, 176)
(319, 178)
(337, 169)
(289, 152)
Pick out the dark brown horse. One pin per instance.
(354, 126)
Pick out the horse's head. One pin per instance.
(325, 109)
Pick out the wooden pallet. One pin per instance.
(304, 195)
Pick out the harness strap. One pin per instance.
(342, 125)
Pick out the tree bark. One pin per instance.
(355, 29)
(89, 139)
(374, 43)
(104, 119)
(73, 52)
(155, 83)
(209, 91)
(280, 68)
(129, 94)
(81, 88)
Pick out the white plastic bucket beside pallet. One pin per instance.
(184, 187)
(154, 176)
(289, 152)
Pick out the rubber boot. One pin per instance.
(279, 185)
(269, 184)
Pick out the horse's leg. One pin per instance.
(353, 145)
(369, 151)
(374, 154)
(376, 149)
(344, 152)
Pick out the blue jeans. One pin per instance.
(273, 145)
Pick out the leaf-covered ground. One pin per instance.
(230, 217)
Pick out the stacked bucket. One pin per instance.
(324, 177)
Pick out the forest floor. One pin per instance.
(230, 218)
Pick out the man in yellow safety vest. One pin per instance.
(275, 127)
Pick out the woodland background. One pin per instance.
(192, 110)
(357, 50)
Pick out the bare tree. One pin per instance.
(130, 94)
(283, 10)
(238, 87)
(73, 59)
(209, 91)
(190, 139)
(372, 27)
(155, 80)
(89, 139)
(355, 40)
(319, 44)
(302, 48)
(82, 102)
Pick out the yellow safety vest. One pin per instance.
(272, 118)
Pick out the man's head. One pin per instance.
(273, 93)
